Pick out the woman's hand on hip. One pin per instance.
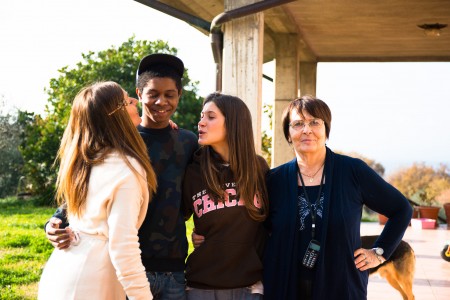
(365, 259)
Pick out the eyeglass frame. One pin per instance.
(300, 127)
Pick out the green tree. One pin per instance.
(43, 134)
(38, 147)
(266, 137)
(11, 160)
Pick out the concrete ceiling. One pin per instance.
(348, 30)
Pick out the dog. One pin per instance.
(399, 269)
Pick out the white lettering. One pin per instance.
(208, 204)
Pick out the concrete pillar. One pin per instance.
(308, 78)
(286, 89)
(242, 62)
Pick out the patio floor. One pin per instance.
(432, 277)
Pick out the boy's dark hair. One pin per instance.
(159, 65)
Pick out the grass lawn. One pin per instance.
(24, 248)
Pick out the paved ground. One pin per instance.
(432, 277)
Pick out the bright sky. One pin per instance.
(395, 113)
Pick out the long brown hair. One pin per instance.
(244, 163)
(93, 132)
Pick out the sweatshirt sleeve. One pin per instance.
(186, 203)
(383, 198)
(61, 214)
(123, 222)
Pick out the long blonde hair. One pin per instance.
(90, 136)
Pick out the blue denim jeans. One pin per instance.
(167, 285)
(244, 293)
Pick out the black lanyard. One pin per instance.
(313, 213)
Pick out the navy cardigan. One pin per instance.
(349, 184)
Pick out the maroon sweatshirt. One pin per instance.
(231, 256)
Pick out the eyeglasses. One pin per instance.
(300, 124)
(121, 106)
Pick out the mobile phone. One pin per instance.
(311, 254)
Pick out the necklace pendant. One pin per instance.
(311, 179)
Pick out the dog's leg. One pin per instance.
(388, 271)
(407, 287)
(406, 274)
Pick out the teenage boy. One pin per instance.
(162, 236)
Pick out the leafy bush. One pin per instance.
(11, 160)
(421, 183)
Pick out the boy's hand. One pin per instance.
(197, 239)
(59, 238)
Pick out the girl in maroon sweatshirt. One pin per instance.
(224, 188)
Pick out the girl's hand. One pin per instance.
(173, 125)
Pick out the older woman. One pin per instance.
(316, 201)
